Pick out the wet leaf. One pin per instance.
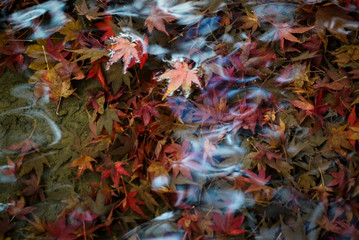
(123, 48)
(91, 14)
(90, 53)
(34, 162)
(131, 202)
(83, 163)
(156, 20)
(181, 75)
(61, 230)
(17, 208)
(106, 120)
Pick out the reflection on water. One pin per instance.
(262, 145)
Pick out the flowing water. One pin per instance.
(179, 119)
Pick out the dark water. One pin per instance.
(179, 120)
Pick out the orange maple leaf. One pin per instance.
(156, 20)
(181, 75)
(83, 163)
(123, 48)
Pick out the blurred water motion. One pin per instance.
(256, 127)
(45, 19)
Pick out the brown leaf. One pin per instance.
(71, 30)
(91, 14)
(338, 139)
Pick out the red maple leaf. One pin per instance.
(145, 110)
(25, 147)
(353, 132)
(11, 168)
(109, 168)
(131, 202)
(96, 72)
(14, 50)
(257, 181)
(189, 222)
(310, 109)
(226, 224)
(106, 27)
(60, 231)
(156, 20)
(56, 51)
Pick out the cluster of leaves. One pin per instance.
(250, 131)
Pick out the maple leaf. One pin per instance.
(323, 192)
(106, 26)
(17, 208)
(131, 202)
(346, 54)
(99, 206)
(11, 168)
(181, 75)
(247, 115)
(310, 109)
(109, 168)
(37, 225)
(145, 192)
(91, 14)
(83, 163)
(249, 21)
(60, 231)
(343, 100)
(214, 109)
(25, 147)
(36, 163)
(33, 188)
(263, 152)
(251, 58)
(156, 20)
(123, 48)
(329, 225)
(284, 31)
(189, 221)
(96, 72)
(338, 140)
(14, 50)
(106, 121)
(353, 132)
(58, 86)
(146, 110)
(71, 30)
(226, 224)
(181, 160)
(339, 179)
(257, 181)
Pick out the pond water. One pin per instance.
(179, 119)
